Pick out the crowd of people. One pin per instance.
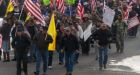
(30, 40)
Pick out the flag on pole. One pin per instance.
(28, 17)
(51, 4)
(132, 22)
(80, 10)
(61, 6)
(57, 2)
(93, 5)
(10, 6)
(52, 31)
(127, 10)
(1, 2)
(34, 8)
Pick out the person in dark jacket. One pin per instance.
(70, 46)
(21, 43)
(60, 35)
(32, 30)
(103, 36)
(42, 40)
(5, 30)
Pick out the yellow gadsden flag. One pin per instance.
(28, 16)
(10, 8)
(53, 33)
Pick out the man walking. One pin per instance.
(42, 40)
(103, 36)
(70, 46)
(21, 43)
(120, 33)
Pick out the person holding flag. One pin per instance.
(42, 40)
(52, 46)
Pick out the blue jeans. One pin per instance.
(5, 46)
(61, 54)
(61, 57)
(69, 61)
(50, 59)
(21, 57)
(103, 56)
(76, 57)
(32, 52)
(41, 54)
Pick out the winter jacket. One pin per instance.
(41, 41)
(70, 43)
(21, 42)
(103, 37)
(5, 30)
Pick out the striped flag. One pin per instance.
(57, 2)
(126, 12)
(93, 5)
(61, 6)
(1, 2)
(80, 10)
(13, 2)
(132, 22)
(34, 8)
(51, 3)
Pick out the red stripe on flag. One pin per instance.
(13, 2)
(61, 6)
(51, 3)
(34, 9)
(93, 5)
(80, 10)
(126, 12)
(1, 2)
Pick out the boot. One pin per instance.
(8, 57)
(4, 55)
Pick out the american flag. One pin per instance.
(126, 12)
(80, 10)
(61, 6)
(13, 2)
(93, 5)
(1, 2)
(57, 2)
(51, 3)
(34, 8)
(134, 21)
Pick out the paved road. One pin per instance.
(119, 64)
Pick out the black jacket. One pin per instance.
(31, 30)
(21, 42)
(5, 30)
(103, 36)
(41, 41)
(70, 43)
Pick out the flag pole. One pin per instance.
(104, 3)
(21, 12)
(54, 2)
